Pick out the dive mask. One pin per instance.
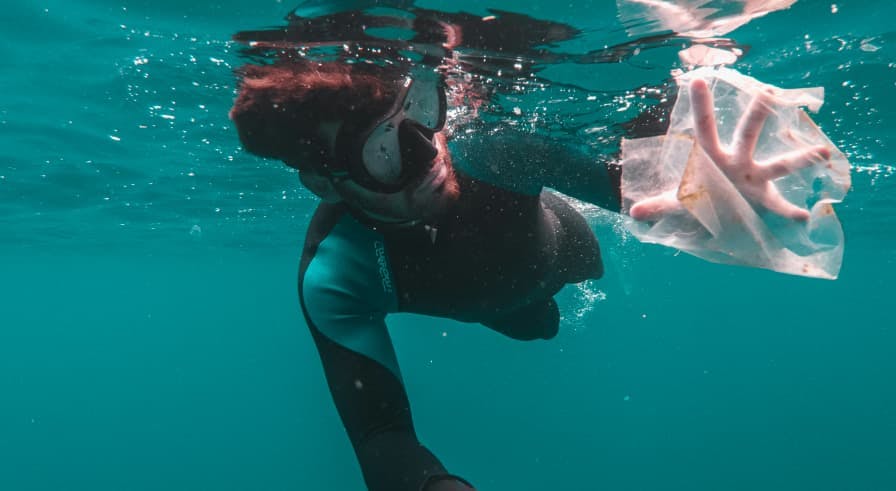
(385, 156)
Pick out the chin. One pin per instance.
(432, 201)
(435, 203)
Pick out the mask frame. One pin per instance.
(373, 157)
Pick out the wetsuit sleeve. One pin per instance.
(345, 298)
(525, 163)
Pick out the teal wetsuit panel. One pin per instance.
(348, 290)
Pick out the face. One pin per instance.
(397, 169)
(424, 197)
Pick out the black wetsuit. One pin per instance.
(497, 257)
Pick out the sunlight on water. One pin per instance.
(155, 155)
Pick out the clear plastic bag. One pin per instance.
(716, 222)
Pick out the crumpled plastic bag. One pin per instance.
(717, 223)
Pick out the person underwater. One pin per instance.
(413, 220)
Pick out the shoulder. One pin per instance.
(344, 268)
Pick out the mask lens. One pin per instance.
(424, 104)
(382, 153)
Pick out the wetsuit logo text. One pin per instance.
(380, 249)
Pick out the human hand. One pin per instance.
(751, 178)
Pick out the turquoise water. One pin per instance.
(150, 336)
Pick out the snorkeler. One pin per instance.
(412, 221)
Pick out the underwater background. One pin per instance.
(150, 334)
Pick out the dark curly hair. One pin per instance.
(280, 106)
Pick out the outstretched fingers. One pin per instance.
(789, 162)
(749, 127)
(776, 203)
(705, 121)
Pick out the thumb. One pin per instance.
(655, 207)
